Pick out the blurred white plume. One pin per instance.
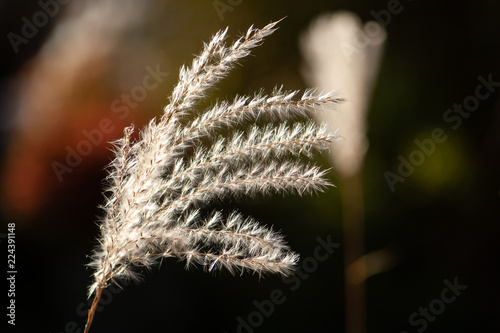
(342, 52)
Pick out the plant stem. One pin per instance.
(93, 307)
(354, 240)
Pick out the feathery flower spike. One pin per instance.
(157, 184)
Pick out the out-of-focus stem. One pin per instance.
(354, 247)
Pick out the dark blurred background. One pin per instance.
(63, 76)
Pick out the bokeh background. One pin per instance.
(62, 77)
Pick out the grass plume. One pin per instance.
(182, 162)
